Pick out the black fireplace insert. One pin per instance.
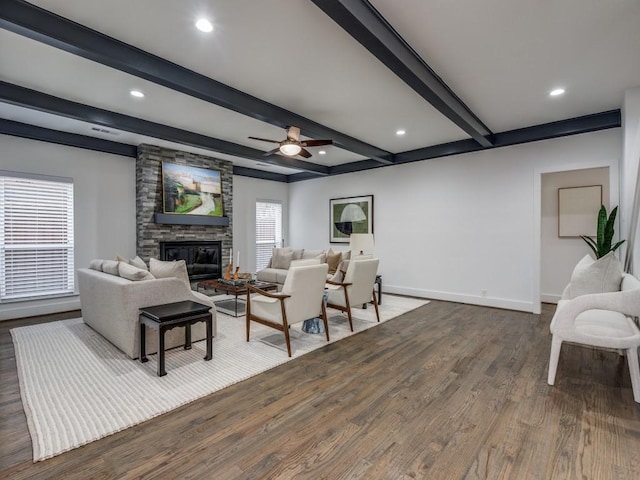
(203, 259)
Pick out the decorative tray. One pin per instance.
(236, 283)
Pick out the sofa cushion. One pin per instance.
(269, 275)
(177, 269)
(298, 254)
(595, 276)
(96, 264)
(133, 273)
(281, 276)
(138, 262)
(110, 267)
(281, 258)
(333, 259)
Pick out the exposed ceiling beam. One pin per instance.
(535, 133)
(24, 130)
(36, 23)
(365, 24)
(24, 97)
(32, 132)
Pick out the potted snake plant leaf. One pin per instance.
(602, 244)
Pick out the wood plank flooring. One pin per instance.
(448, 391)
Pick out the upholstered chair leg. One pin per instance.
(556, 344)
(248, 314)
(634, 371)
(375, 304)
(324, 320)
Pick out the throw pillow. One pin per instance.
(139, 263)
(96, 264)
(133, 273)
(333, 259)
(281, 258)
(177, 269)
(121, 259)
(110, 267)
(595, 276)
(346, 255)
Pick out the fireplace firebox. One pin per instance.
(203, 259)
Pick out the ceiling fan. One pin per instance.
(292, 145)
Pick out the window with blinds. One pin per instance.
(268, 231)
(36, 236)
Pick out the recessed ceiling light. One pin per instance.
(204, 25)
(556, 92)
(136, 93)
(400, 132)
(322, 152)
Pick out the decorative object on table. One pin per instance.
(314, 325)
(604, 236)
(361, 243)
(350, 215)
(577, 207)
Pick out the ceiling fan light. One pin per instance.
(290, 149)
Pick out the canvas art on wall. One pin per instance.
(578, 210)
(350, 215)
(191, 190)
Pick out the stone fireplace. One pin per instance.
(151, 233)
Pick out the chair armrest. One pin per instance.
(339, 284)
(627, 303)
(251, 288)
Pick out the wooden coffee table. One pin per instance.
(234, 306)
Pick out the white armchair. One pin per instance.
(600, 320)
(356, 288)
(301, 298)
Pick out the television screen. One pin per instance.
(191, 190)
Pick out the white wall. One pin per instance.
(461, 228)
(560, 255)
(629, 168)
(246, 191)
(104, 205)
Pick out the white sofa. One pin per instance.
(278, 267)
(110, 306)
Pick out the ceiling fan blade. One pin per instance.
(264, 139)
(293, 133)
(316, 143)
(271, 152)
(304, 153)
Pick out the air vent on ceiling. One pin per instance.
(104, 130)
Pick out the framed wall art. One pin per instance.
(350, 215)
(578, 209)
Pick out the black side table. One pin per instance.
(165, 317)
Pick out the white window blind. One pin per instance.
(36, 236)
(268, 231)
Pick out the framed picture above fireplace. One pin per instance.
(191, 190)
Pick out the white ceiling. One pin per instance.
(500, 57)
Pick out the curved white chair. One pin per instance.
(600, 320)
(301, 298)
(357, 288)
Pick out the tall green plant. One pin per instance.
(602, 244)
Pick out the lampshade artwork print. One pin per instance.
(350, 215)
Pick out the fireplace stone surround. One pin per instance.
(149, 234)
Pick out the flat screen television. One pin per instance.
(191, 190)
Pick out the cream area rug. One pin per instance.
(76, 387)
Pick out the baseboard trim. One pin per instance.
(460, 298)
(550, 298)
(11, 311)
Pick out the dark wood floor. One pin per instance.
(447, 391)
